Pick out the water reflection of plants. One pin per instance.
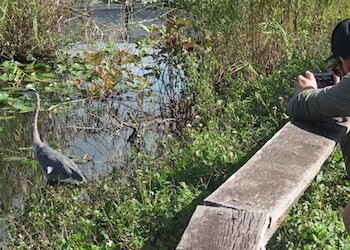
(134, 95)
(123, 93)
(153, 85)
(15, 151)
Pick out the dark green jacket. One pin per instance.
(329, 102)
(315, 104)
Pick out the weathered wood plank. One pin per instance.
(277, 175)
(224, 228)
(244, 212)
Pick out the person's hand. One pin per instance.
(336, 79)
(305, 82)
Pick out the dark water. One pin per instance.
(94, 134)
(88, 132)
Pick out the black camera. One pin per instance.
(324, 79)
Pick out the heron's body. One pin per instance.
(57, 166)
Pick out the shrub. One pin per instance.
(30, 27)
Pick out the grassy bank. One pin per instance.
(235, 72)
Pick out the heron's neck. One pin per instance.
(36, 136)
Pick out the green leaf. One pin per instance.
(3, 97)
(4, 118)
(41, 77)
(21, 106)
(5, 77)
(15, 158)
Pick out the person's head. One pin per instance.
(340, 46)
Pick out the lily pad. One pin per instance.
(21, 106)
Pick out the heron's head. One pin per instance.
(31, 91)
(28, 90)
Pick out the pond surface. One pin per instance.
(87, 131)
(111, 21)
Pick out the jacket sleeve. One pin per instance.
(312, 104)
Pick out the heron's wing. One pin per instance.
(63, 167)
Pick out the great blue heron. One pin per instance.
(57, 166)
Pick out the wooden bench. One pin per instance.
(246, 210)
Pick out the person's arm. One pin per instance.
(312, 104)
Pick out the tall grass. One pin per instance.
(264, 34)
(30, 27)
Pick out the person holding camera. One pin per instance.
(312, 103)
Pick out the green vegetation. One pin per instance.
(267, 34)
(30, 27)
(227, 76)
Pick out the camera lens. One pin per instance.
(324, 79)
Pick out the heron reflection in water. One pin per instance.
(57, 166)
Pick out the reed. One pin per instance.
(30, 27)
(265, 34)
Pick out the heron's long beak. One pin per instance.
(27, 88)
(20, 91)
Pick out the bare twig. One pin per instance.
(65, 103)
